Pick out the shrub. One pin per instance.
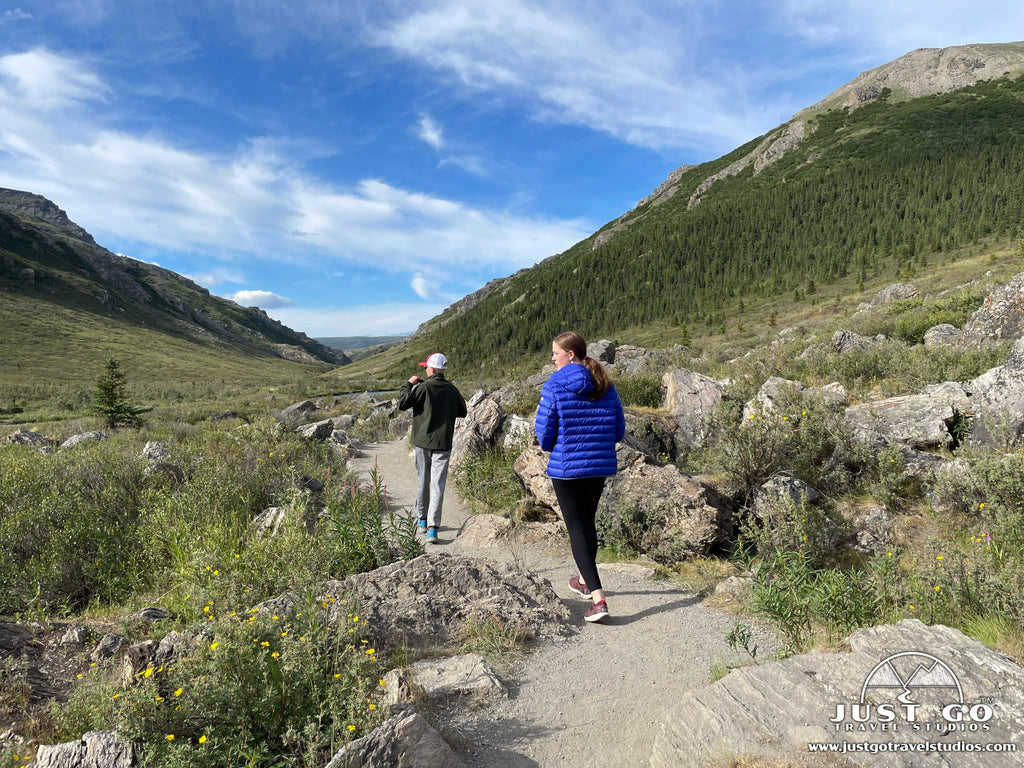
(798, 437)
(487, 483)
(640, 391)
(255, 690)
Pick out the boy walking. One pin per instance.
(436, 403)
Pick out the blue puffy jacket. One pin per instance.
(580, 433)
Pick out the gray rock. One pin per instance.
(110, 646)
(685, 518)
(516, 433)
(345, 421)
(75, 635)
(603, 351)
(767, 398)
(871, 530)
(997, 399)
(1000, 317)
(155, 451)
(895, 292)
(652, 434)
(26, 437)
(401, 424)
(920, 421)
(343, 443)
(781, 491)
(454, 677)
(773, 711)
(296, 411)
(942, 335)
(96, 749)
(479, 430)
(691, 398)
(320, 430)
(847, 341)
(484, 530)
(531, 467)
(427, 601)
(406, 739)
(84, 437)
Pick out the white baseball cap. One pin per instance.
(437, 361)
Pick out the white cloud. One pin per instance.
(430, 132)
(256, 200)
(424, 288)
(46, 81)
(370, 320)
(14, 15)
(261, 299)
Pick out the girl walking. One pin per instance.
(579, 420)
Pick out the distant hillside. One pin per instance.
(346, 343)
(362, 347)
(902, 169)
(57, 286)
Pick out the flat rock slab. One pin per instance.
(907, 695)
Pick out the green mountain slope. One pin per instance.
(66, 304)
(835, 197)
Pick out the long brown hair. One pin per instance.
(570, 341)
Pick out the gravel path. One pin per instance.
(597, 697)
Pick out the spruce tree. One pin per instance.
(110, 399)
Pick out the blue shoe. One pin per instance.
(432, 536)
(422, 523)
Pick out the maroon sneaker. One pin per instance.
(596, 612)
(576, 585)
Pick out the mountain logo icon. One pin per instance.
(912, 671)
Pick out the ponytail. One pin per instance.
(571, 341)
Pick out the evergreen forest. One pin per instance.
(873, 193)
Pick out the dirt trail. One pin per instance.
(597, 697)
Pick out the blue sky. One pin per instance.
(355, 167)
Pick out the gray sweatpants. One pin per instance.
(432, 475)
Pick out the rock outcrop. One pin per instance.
(775, 711)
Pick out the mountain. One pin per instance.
(907, 166)
(56, 281)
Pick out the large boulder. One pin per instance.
(479, 430)
(997, 399)
(772, 713)
(1000, 317)
(683, 518)
(441, 680)
(895, 292)
(848, 341)
(942, 335)
(531, 467)
(919, 421)
(406, 739)
(691, 398)
(427, 601)
(96, 749)
(93, 436)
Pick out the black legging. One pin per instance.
(578, 501)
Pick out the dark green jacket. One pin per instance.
(435, 403)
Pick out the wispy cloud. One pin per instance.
(15, 14)
(430, 132)
(254, 200)
(261, 299)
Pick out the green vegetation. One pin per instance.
(110, 399)
(883, 193)
(94, 529)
